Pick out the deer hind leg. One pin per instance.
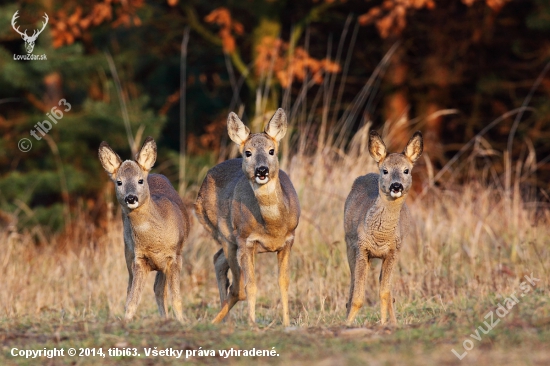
(357, 297)
(139, 272)
(386, 298)
(351, 262)
(161, 293)
(284, 279)
(173, 270)
(236, 290)
(222, 267)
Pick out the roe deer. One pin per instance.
(249, 206)
(376, 220)
(156, 225)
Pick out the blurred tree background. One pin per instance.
(448, 68)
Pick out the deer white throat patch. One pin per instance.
(270, 211)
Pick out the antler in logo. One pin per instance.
(29, 40)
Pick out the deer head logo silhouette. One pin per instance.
(29, 40)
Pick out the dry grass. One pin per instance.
(474, 240)
(471, 243)
(471, 239)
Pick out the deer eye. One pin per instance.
(140, 181)
(271, 152)
(118, 182)
(248, 154)
(406, 171)
(385, 171)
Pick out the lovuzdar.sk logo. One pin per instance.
(29, 39)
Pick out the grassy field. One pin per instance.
(472, 246)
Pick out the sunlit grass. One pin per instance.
(477, 233)
(471, 244)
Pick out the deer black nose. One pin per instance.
(262, 171)
(130, 199)
(396, 187)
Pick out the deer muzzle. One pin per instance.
(262, 174)
(396, 190)
(131, 201)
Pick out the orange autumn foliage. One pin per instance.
(390, 17)
(272, 55)
(68, 27)
(222, 17)
(496, 5)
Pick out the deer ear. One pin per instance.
(414, 147)
(377, 148)
(236, 129)
(109, 159)
(147, 156)
(276, 127)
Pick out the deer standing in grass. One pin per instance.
(156, 225)
(250, 206)
(376, 220)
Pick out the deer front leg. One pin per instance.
(357, 297)
(173, 270)
(284, 278)
(139, 270)
(245, 255)
(386, 299)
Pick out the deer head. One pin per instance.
(29, 40)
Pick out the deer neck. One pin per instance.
(270, 200)
(141, 217)
(384, 214)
